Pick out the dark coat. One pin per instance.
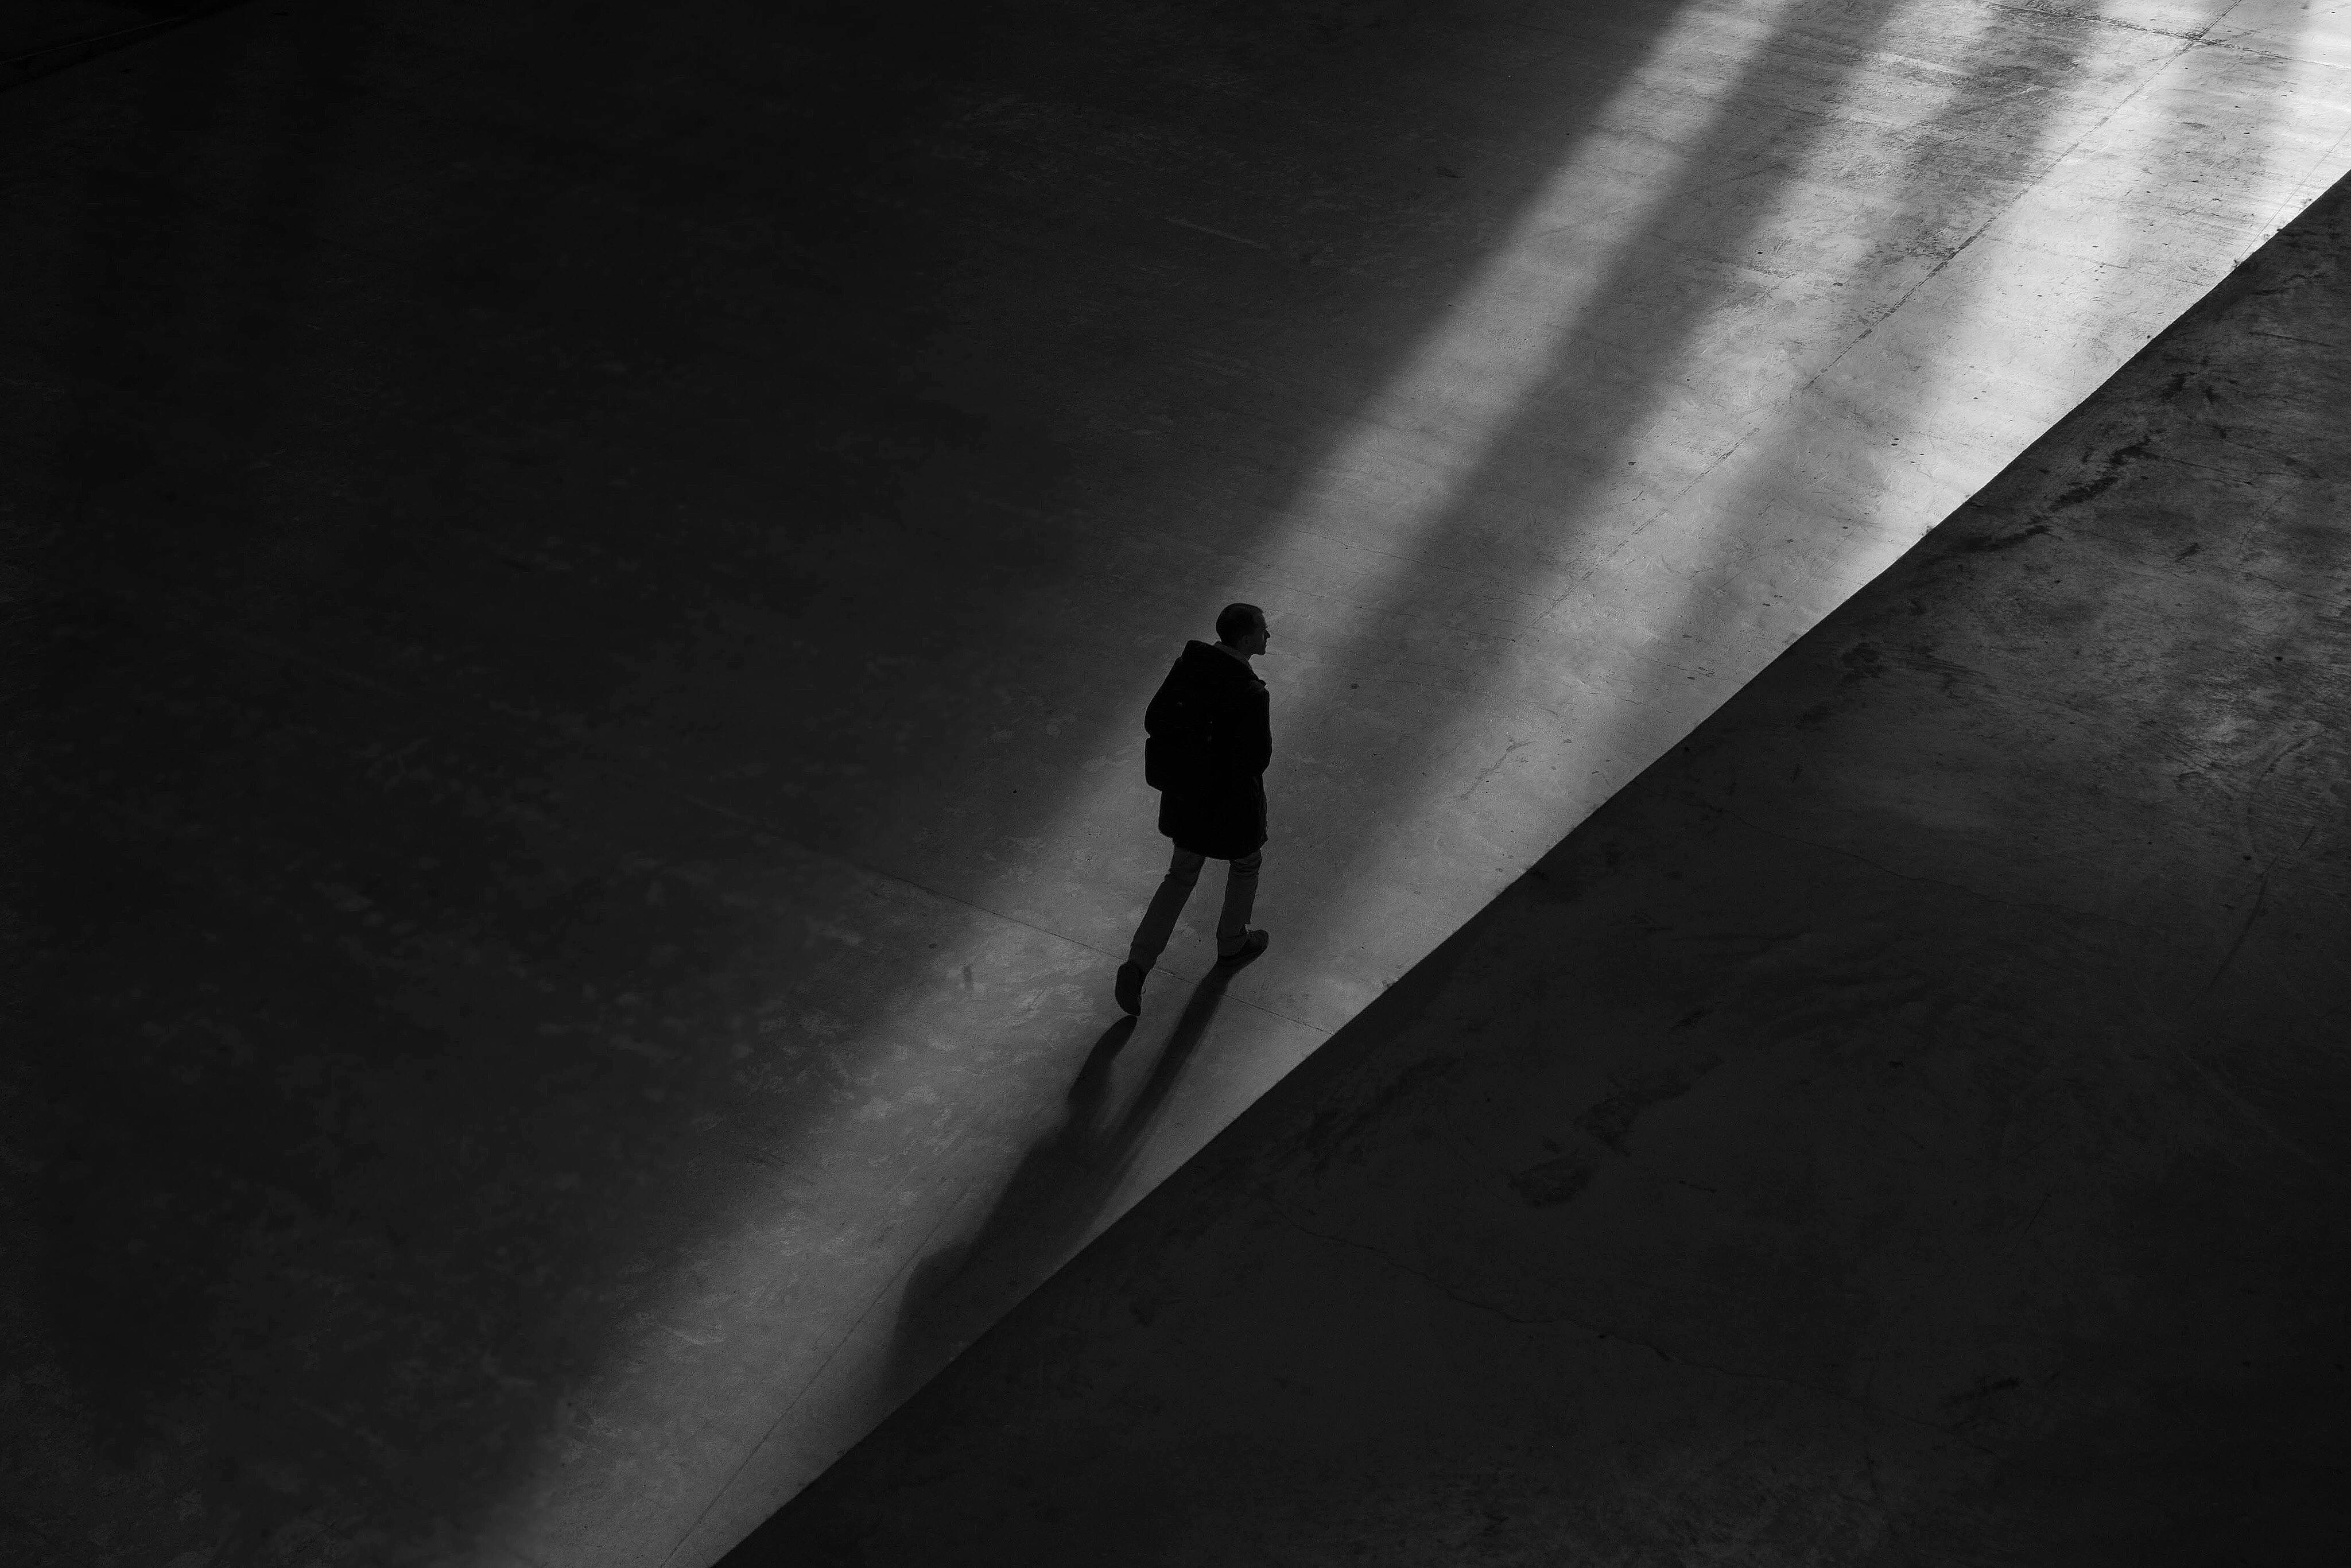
(1211, 737)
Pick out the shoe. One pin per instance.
(1251, 946)
(1129, 989)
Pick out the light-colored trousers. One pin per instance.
(1175, 889)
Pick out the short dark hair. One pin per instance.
(1235, 622)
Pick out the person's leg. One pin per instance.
(1159, 920)
(1240, 896)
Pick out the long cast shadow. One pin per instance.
(1054, 1195)
(1052, 1199)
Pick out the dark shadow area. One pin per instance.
(1903, 1125)
(40, 37)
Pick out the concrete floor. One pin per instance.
(1906, 1125)
(582, 585)
(40, 37)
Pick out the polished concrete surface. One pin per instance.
(1906, 1125)
(585, 579)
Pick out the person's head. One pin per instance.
(1241, 628)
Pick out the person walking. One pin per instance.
(1211, 735)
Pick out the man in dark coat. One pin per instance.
(1210, 740)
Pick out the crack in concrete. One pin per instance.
(2093, 20)
(2239, 475)
(2261, 878)
(2254, 1119)
(2214, 565)
(1516, 745)
(1938, 882)
(1884, 1512)
(1567, 1319)
(2289, 337)
(2260, 900)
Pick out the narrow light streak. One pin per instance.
(1407, 453)
(2306, 130)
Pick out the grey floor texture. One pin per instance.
(579, 585)
(1907, 1125)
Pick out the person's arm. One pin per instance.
(1240, 742)
(1175, 755)
(1257, 735)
